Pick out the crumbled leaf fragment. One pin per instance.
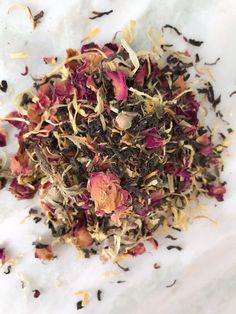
(3, 86)
(79, 305)
(177, 247)
(172, 284)
(99, 295)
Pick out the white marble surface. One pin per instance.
(206, 269)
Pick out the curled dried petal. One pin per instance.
(21, 191)
(217, 191)
(139, 249)
(119, 84)
(82, 238)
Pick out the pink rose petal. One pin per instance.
(119, 84)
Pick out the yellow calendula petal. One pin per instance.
(120, 258)
(128, 32)
(94, 32)
(85, 296)
(19, 55)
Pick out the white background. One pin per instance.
(206, 269)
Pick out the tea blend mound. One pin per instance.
(112, 142)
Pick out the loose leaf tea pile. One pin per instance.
(112, 143)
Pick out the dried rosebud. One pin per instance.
(21, 191)
(119, 84)
(139, 249)
(36, 293)
(156, 196)
(203, 139)
(50, 60)
(216, 191)
(20, 164)
(2, 256)
(3, 138)
(107, 193)
(63, 89)
(43, 251)
(124, 120)
(82, 238)
(152, 139)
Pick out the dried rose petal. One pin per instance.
(3, 138)
(63, 89)
(206, 151)
(82, 238)
(112, 46)
(156, 196)
(216, 191)
(44, 252)
(141, 74)
(12, 119)
(107, 193)
(119, 84)
(20, 164)
(48, 208)
(21, 191)
(2, 256)
(139, 249)
(89, 46)
(152, 139)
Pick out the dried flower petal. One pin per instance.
(21, 191)
(139, 249)
(153, 140)
(3, 139)
(107, 193)
(44, 252)
(216, 191)
(82, 238)
(141, 74)
(2, 256)
(119, 84)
